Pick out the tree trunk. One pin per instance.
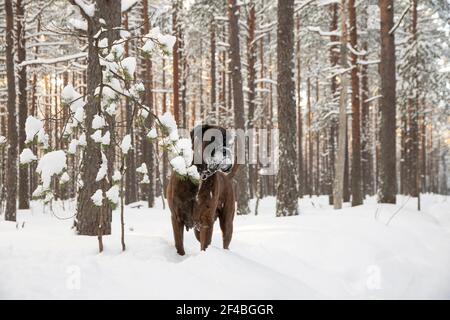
(301, 181)
(130, 173)
(340, 161)
(214, 105)
(287, 195)
(251, 61)
(388, 185)
(334, 60)
(413, 113)
(357, 196)
(11, 165)
(22, 86)
(147, 150)
(176, 63)
(238, 101)
(90, 219)
(310, 175)
(366, 155)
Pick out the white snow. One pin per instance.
(72, 149)
(2, 140)
(117, 49)
(79, 114)
(322, 253)
(106, 139)
(152, 134)
(113, 194)
(167, 41)
(127, 4)
(64, 178)
(168, 122)
(49, 164)
(145, 179)
(97, 136)
(32, 127)
(129, 65)
(97, 198)
(184, 148)
(27, 156)
(142, 169)
(78, 24)
(179, 165)
(126, 144)
(98, 122)
(148, 46)
(87, 7)
(116, 176)
(192, 172)
(82, 140)
(103, 170)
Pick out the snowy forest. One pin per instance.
(336, 182)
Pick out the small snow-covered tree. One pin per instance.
(90, 127)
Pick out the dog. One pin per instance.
(197, 206)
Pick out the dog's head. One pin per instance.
(212, 150)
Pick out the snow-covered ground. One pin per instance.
(321, 253)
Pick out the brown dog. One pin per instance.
(198, 206)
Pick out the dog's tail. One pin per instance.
(234, 170)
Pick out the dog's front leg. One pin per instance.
(205, 237)
(178, 232)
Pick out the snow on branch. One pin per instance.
(368, 62)
(76, 56)
(127, 4)
(303, 5)
(324, 33)
(373, 98)
(354, 51)
(400, 20)
(86, 7)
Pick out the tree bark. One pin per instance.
(11, 164)
(340, 161)
(147, 149)
(357, 196)
(388, 185)
(301, 181)
(334, 60)
(366, 154)
(130, 173)
(90, 219)
(238, 101)
(176, 63)
(22, 86)
(251, 71)
(287, 195)
(212, 44)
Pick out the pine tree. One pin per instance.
(287, 173)
(387, 184)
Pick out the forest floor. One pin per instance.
(321, 253)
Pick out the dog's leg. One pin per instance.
(209, 233)
(205, 237)
(226, 223)
(178, 231)
(197, 234)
